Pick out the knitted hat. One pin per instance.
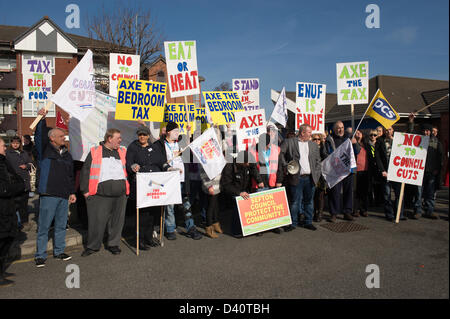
(171, 126)
(426, 126)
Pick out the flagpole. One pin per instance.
(360, 121)
(427, 106)
(39, 117)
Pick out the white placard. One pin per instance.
(249, 126)
(310, 100)
(352, 82)
(158, 189)
(248, 90)
(125, 66)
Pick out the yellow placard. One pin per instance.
(222, 105)
(180, 114)
(140, 100)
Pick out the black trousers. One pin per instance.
(148, 217)
(5, 245)
(341, 203)
(213, 208)
(21, 202)
(362, 191)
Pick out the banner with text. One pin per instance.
(248, 90)
(408, 157)
(76, 95)
(140, 100)
(263, 211)
(310, 100)
(125, 66)
(158, 189)
(352, 82)
(222, 106)
(182, 71)
(249, 126)
(86, 134)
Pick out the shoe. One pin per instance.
(431, 216)
(258, 234)
(317, 217)
(310, 227)
(40, 262)
(193, 233)
(414, 216)
(238, 236)
(153, 243)
(115, 250)
(356, 214)
(171, 236)
(276, 231)
(209, 231)
(390, 219)
(143, 246)
(63, 256)
(348, 217)
(403, 218)
(217, 228)
(332, 219)
(288, 228)
(5, 282)
(364, 214)
(88, 252)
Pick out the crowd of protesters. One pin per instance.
(107, 183)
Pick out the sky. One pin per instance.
(282, 42)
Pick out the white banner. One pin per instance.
(76, 95)
(86, 134)
(352, 82)
(182, 71)
(208, 151)
(408, 157)
(37, 74)
(249, 126)
(125, 66)
(339, 164)
(158, 189)
(248, 90)
(279, 113)
(310, 100)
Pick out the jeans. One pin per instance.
(427, 190)
(302, 200)
(170, 216)
(52, 208)
(390, 209)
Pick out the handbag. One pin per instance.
(33, 178)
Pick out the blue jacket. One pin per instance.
(55, 167)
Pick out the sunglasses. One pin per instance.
(374, 135)
(316, 139)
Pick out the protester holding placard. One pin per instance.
(321, 186)
(168, 157)
(139, 159)
(302, 152)
(336, 199)
(56, 189)
(104, 184)
(433, 167)
(383, 149)
(236, 181)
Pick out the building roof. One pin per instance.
(9, 35)
(432, 96)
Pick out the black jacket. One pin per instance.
(55, 166)
(237, 178)
(10, 185)
(17, 158)
(381, 157)
(144, 157)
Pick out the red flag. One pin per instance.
(60, 123)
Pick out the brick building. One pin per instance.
(44, 41)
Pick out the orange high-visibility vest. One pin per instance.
(273, 164)
(94, 173)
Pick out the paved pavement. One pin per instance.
(412, 256)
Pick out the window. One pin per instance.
(30, 108)
(160, 77)
(7, 106)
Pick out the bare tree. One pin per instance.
(224, 86)
(126, 30)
